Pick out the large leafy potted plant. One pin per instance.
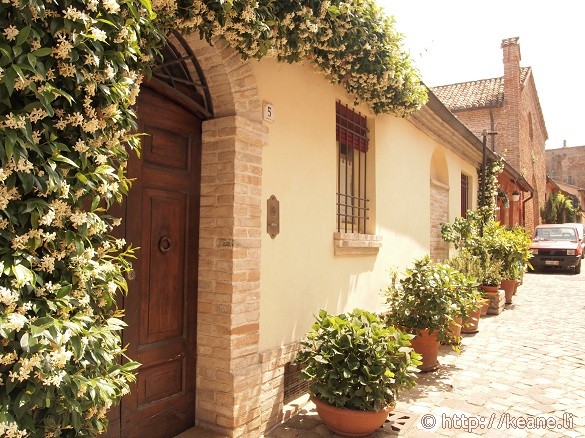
(515, 254)
(357, 365)
(426, 302)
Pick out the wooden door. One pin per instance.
(162, 219)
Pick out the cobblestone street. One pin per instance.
(526, 362)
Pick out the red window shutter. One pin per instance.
(351, 128)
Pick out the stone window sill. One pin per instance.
(356, 244)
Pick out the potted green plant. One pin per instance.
(425, 303)
(515, 256)
(356, 365)
(471, 300)
(467, 263)
(491, 273)
(468, 297)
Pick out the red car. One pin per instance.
(556, 245)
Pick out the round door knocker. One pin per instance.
(164, 244)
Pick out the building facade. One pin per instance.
(507, 108)
(263, 195)
(567, 165)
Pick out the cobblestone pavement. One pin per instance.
(527, 362)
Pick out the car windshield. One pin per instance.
(555, 233)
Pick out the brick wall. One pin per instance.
(521, 131)
(567, 165)
(533, 136)
(439, 250)
(273, 364)
(509, 119)
(228, 366)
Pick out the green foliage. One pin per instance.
(431, 296)
(487, 201)
(69, 75)
(471, 266)
(558, 209)
(511, 247)
(500, 253)
(353, 43)
(355, 361)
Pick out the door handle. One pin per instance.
(164, 244)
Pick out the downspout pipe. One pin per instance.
(524, 208)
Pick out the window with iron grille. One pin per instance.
(351, 133)
(464, 194)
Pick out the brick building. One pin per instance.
(508, 105)
(566, 165)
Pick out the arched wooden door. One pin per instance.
(162, 219)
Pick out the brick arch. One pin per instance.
(439, 205)
(230, 79)
(228, 363)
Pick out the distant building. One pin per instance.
(566, 165)
(574, 193)
(508, 105)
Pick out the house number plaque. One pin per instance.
(273, 216)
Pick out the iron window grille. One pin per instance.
(180, 70)
(351, 133)
(464, 194)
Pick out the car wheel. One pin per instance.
(578, 268)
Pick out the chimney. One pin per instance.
(511, 109)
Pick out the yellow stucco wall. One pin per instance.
(300, 273)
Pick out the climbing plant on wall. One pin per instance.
(70, 72)
(488, 198)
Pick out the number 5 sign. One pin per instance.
(268, 111)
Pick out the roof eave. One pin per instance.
(474, 146)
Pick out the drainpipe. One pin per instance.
(492, 127)
(524, 208)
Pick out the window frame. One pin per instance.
(465, 186)
(352, 205)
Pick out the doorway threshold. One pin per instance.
(199, 432)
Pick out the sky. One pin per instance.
(454, 41)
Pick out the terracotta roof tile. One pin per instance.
(475, 94)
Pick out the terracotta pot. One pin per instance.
(351, 422)
(492, 289)
(484, 307)
(509, 287)
(471, 324)
(427, 345)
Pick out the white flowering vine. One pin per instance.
(68, 82)
(70, 72)
(352, 42)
